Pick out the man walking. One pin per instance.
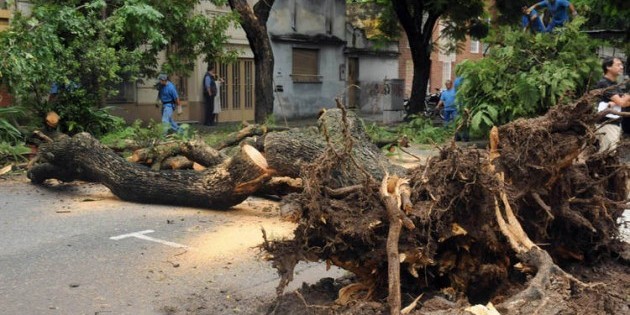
(209, 93)
(167, 94)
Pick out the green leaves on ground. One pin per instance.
(418, 130)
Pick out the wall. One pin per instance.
(313, 24)
(372, 75)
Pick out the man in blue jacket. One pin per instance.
(557, 9)
(167, 94)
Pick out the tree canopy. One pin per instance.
(87, 48)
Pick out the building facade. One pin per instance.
(307, 39)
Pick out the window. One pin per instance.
(474, 46)
(125, 92)
(305, 65)
(446, 72)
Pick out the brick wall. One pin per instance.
(437, 66)
(405, 64)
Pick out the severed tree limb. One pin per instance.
(249, 131)
(392, 200)
(393, 260)
(177, 162)
(195, 150)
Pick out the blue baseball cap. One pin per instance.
(162, 77)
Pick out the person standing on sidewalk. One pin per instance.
(610, 131)
(209, 93)
(167, 94)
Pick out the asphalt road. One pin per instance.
(66, 250)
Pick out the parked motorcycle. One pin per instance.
(430, 106)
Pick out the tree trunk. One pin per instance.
(288, 152)
(254, 23)
(418, 23)
(83, 158)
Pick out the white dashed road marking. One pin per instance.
(141, 235)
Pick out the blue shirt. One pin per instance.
(458, 82)
(557, 10)
(167, 93)
(207, 81)
(534, 22)
(448, 97)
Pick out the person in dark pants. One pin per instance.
(209, 93)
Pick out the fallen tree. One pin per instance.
(470, 226)
(225, 181)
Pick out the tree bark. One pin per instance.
(254, 23)
(287, 152)
(83, 158)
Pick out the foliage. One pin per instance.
(9, 132)
(12, 147)
(600, 15)
(418, 130)
(421, 130)
(219, 133)
(608, 15)
(524, 74)
(143, 136)
(12, 152)
(88, 48)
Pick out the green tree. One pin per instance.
(524, 74)
(88, 47)
(612, 16)
(606, 19)
(419, 18)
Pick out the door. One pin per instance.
(353, 83)
(236, 93)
